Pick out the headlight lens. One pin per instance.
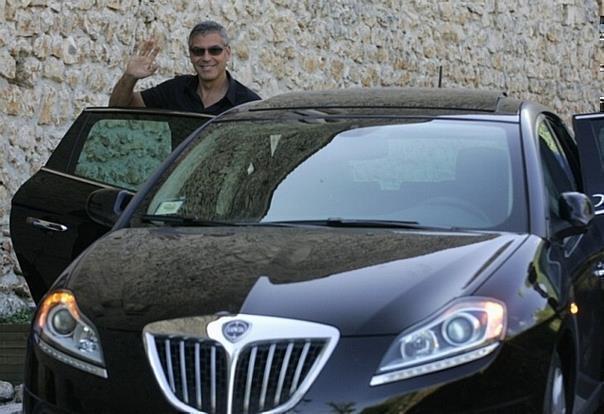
(66, 334)
(466, 330)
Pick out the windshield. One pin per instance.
(441, 173)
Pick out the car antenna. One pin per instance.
(440, 76)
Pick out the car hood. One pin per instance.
(363, 281)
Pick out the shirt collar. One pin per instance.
(231, 93)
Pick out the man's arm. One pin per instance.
(139, 66)
(123, 93)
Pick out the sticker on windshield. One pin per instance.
(168, 207)
(274, 142)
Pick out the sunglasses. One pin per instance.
(212, 50)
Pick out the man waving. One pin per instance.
(211, 91)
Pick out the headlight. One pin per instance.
(67, 335)
(466, 330)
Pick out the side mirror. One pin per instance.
(577, 210)
(104, 206)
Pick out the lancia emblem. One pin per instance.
(235, 330)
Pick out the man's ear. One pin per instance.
(227, 50)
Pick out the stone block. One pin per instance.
(42, 46)
(337, 69)
(7, 391)
(70, 51)
(83, 4)
(10, 11)
(18, 393)
(47, 20)
(54, 69)
(26, 25)
(46, 108)
(10, 100)
(10, 304)
(8, 65)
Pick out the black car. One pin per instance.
(362, 250)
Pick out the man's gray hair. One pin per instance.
(209, 26)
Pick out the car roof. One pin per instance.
(387, 101)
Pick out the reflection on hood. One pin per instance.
(158, 273)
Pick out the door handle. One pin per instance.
(46, 225)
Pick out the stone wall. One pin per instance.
(57, 57)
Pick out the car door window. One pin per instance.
(557, 172)
(569, 147)
(123, 152)
(122, 148)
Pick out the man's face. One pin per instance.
(208, 61)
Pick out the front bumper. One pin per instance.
(511, 379)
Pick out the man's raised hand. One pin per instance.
(143, 64)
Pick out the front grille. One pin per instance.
(195, 371)
(239, 364)
(267, 374)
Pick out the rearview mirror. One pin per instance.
(576, 209)
(104, 206)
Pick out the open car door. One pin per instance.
(104, 148)
(589, 133)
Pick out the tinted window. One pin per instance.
(557, 172)
(123, 152)
(598, 131)
(123, 149)
(569, 147)
(442, 173)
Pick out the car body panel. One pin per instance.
(500, 388)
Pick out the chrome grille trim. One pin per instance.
(267, 372)
(299, 367)
(213, 378)
(198, 393)
(183, 373)
(248, 380)
(282, 373)
(169, 364)
(275, 361)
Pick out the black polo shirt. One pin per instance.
(180, 94)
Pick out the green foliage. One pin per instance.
(23, 316)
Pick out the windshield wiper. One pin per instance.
(185, 221)
(341, 222)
